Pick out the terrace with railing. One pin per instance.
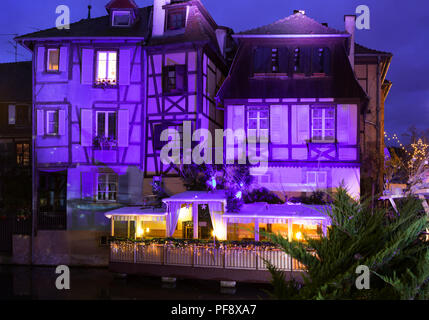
(196, 257)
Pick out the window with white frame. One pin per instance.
(257, 124)
(53, 60)
(107, 67)
(106, 128)
(316, 178)
(121, 18)
(323, 124)
(52, 122)
(107, 187)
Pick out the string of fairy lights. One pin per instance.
(418, 152)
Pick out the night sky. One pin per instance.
(397, 26)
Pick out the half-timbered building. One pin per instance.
(88, 103)
(187, 58)
(293, 84)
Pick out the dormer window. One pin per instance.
(176, 19)
(53, 60)
(121, 18)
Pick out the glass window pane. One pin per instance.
(317, 113)
(54, 58)
(317, 123)
(253, 114)
(330, 113)
(112, 125)
(264, 124)
(253, 123)
(101, 124)
(263, 114)
(329, 124)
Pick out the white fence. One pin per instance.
(202, 256)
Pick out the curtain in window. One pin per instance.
(173, 216)
(216, 214)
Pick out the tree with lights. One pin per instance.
(392, 246)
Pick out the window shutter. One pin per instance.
(12, 114)
(88, 185)
(262, 60)
(41, 59)
(87, 68)
(327, 61)
(306, 60)
(64, 59)
(283, 60)
(315, 61)
(61, 122)
(238, 117)
(124, 66)
(343, 123)
(301, 120)
(279, 124)
(40, 123)
(86, 128)
(123, 130)
(180, 78)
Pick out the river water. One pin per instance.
(22, 282)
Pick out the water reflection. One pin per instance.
(21, 282)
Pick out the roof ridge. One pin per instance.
(289, 19)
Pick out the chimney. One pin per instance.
(159, 17)
(221, 40)
(325, 24)
(299, 11)
(89, 12)
(350, 26)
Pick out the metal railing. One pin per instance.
(203, 256)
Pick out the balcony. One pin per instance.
(208, 262)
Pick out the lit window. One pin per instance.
(52, 122)
(176, 19)
(106, 67)
(106, 129)
(107, 187)
(53, 63)
(23, 154)
(257, 124)
(121, 18)
(323, 124)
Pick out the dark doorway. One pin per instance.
(52, 213)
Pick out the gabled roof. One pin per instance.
(295, 24)
(96, 27)
(16, 82)
(200, 27)
(121, 4)
(361, 50)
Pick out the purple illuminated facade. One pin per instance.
(104, 90)
(101, 92)
(292, 83)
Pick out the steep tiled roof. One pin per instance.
(360, 49)
(97, 27)
(297, 23)
(121, 4)
(16, 82)
(197, 29)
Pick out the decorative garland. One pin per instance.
(182, 243)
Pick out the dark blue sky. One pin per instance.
(397, 26)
